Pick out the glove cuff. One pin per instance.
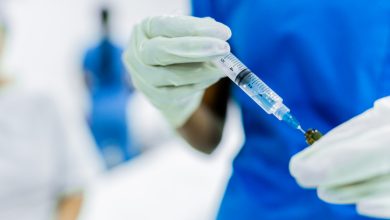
(178, 114)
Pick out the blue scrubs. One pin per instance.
(109, 100)
(329, 60)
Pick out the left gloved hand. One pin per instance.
(351, 164)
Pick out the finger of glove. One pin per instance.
(353, 193)
(309, 173)
(191, 73)
(370, 119)
(179, 114)
(176, 104)
(345, 162)
(182, 92)
(163, 51)
(172, 75)
(382, 109)
(165, 96)
(349, 129)
(182, 26)
(375, 207)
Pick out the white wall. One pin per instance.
(48, 37)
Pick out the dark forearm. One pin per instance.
(203, 130)
(205, 127)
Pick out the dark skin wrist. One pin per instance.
(204, 128)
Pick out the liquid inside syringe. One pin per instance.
(254, 87)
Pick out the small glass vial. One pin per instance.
(312, 135)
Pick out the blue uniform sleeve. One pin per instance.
(216, 9)
(202, 8)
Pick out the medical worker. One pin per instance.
(328, 59)
(107, 81)
(46, 158)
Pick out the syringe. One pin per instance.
(254, 87)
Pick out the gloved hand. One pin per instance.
(169, 59)
(351, 164)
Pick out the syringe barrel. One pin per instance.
(252, 85)
(232, 66)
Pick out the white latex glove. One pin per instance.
(169, 59)
(351, 164)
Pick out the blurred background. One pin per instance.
(70, 51)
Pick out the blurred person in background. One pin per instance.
(330, 61)
(44, 165)
(109, 87)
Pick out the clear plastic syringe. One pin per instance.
(254, 87)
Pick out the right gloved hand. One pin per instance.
(170, 61)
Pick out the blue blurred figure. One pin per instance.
(109, 87)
